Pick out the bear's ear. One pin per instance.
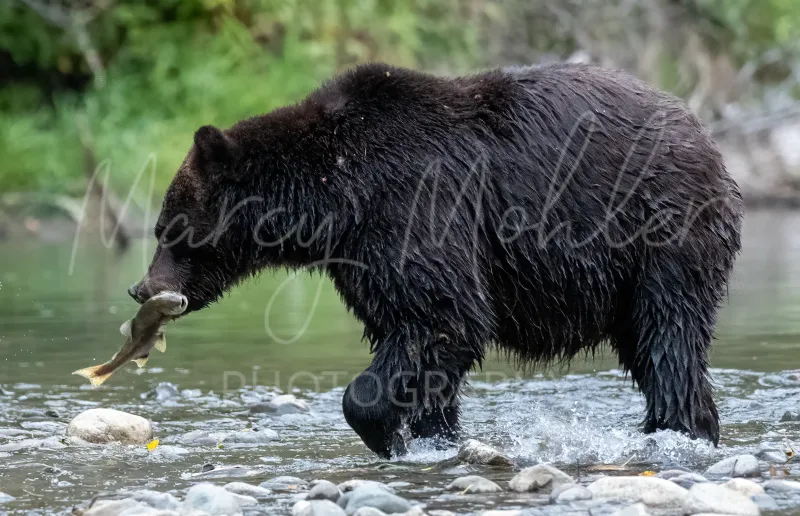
(212, 146)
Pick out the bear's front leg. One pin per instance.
(407, 392)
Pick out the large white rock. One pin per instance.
(539, 478)
(102, 426)
(651, 491)
(717, 499)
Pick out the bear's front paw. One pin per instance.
(380, 423)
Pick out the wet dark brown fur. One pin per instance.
(543, 209)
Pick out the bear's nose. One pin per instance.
(136, 293)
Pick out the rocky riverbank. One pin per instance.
(740, 485)
(256, 451)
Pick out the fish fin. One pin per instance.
(125, 329)
(91, 373)
(141, 361)
(161, 343)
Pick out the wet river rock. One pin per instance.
(376, 497)
(739, 466)
(652, 491)
(286, 484)
(213, 500)
(242, 488)
(475, 452)
(570, 493)
(103, 426)
(323, 490)
(281, 405)
(317, 508)
(717, 499)
(744, 486)
(473, 484)
(540, 478)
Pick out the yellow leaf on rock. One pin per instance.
(152, 445)
(647, 474)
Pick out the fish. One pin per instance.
(142, 333)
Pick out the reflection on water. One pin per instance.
(52, 323)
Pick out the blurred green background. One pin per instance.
(127, 79)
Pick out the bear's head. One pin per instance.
(200, 253)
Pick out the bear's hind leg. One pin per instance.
(663, 339)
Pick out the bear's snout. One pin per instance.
(133, 291)
(145, 289)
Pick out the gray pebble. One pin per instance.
(377, 497)
(475, 452)
(772, 456)
(197, 438)
(225, 472)
(51, 427)
(281, 405)
(324, 490)
(154, 499)
(739, 466)
(369, 511)
(350, 485)
(765, 502)
(540, 478)
(285, 484)
(48, 443)
(573, 494)
(781, 486)
(687, 480)
(211, 499)
(672, 473)
(262, 436)
(717, 499)
(111, 507)
(164, 391)
(461, 470)
(473, 484)
(637, 509)
(143, 510)
(242, 488)
(744, 486)
(317, 508)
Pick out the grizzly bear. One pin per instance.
(541, 210)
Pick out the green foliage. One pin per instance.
(145, 74)
(750, 27)
(170, 66)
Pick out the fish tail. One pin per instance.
(95, 374)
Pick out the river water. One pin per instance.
(61, 307)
